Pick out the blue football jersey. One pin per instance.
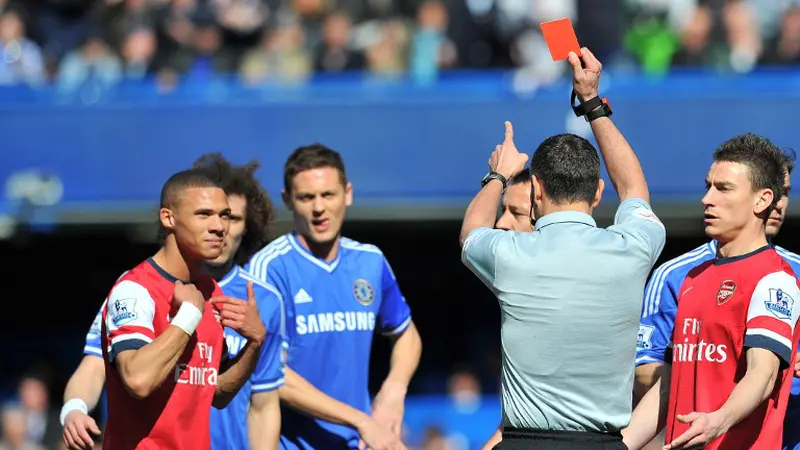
(229, 425)
(658, 319)
(335, 308)
(93, 346)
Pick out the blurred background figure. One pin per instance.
(15, 430)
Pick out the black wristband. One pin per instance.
(583, 108)
(494, 176)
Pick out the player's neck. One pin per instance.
(325, 251)
(749, 240)
(219, 272)
(176, 263)
(549, 207)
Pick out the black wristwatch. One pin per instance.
(494, 176)
(591, 109)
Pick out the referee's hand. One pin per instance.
(506, 159)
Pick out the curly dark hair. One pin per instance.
(241, 180)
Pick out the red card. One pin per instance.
(560, 38)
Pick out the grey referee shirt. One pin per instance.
(571, 296)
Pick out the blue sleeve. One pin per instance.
(267, 269)
(269, 372)
(479, 253)
(93, 346)
(658, 316)
(394, 314)
(635, 218)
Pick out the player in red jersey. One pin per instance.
(735, 333)
(162, 344)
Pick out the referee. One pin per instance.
(570, 292)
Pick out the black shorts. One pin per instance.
(523, 439)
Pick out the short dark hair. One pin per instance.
(185, 179)
(241, 180)
(789, 157)
(568, 167)
(766, 163)
(309, 157)
(175, 185)
(524, 176)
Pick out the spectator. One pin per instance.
(93, 63)
(15, 430)
(281, 56)
(42, 420)
(22, 60)
(431, 49)
(138, 53)
(334, 54)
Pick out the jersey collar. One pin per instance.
(565, 217)
(229, 276)
(328, 267)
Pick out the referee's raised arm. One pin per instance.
(621, 162)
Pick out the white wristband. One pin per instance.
(188, 318)
(71, 405)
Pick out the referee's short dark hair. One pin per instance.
(309, 157)
(766, 163)
(568, 167)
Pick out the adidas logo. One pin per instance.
(302, 297)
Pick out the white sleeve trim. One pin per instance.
(398, 329)
(769, 334)
(90, 350)
(129, 337)
(266, 387)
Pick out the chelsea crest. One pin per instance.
(363, 292)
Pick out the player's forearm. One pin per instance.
(649, 416)
(145, 369)
(303, 396)
(624, 169)
(754, 387)
(496, 438)
(236, 374)
(646, 377)
(405, 358)
(264, 421)
(482, 210)
(87, 382)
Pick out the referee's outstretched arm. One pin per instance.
(623, 166)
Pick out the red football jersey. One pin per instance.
(724, 307)
(176, 415)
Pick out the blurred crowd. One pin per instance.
(70, 42)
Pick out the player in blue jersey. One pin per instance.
(340, 291)
(660, 306)
(252, 418)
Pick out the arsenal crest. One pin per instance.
(725, 292)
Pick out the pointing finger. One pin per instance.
(509, 133)
(251, 296)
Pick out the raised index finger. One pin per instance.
(509, 133)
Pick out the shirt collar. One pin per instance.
(565, 217)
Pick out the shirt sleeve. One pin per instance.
(270, 369)
(265, 270)
(394, 314)
(479, 253)
(93, 345)
(772, 315)
(635, 218)
(129, 318)
(655, 329)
